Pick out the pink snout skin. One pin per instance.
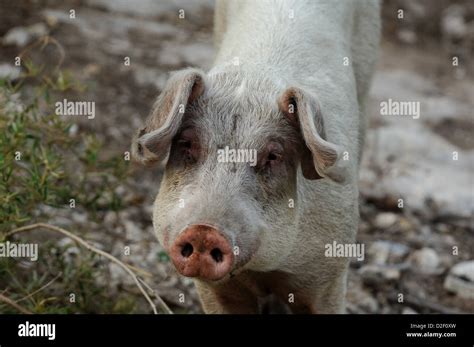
(202, 251)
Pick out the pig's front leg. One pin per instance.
(230, 298)
(327, 298)
(332, 297)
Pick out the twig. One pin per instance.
(40, 289)
(141, 271)
(162, 303)
(12, 303)
(98, 251)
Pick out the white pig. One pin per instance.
(288, 84)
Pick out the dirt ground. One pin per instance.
(409, 249)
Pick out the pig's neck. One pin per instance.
(262, 39)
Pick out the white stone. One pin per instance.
(385, 220)
(426, 261)
(9, 72)
(460, 279)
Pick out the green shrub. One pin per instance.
(43, 162)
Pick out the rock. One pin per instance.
(98, 25)
(60, 221)
(408, 310)
(9, 72)
(426, 261)
(124, 214)
(460, 280)
(151, 8)
(105, 198)
(464, 269)
(137, 254)
(405, 225)
(361, 299)
(442, 228)
(21, 36)
(453, 24)
(69, 249)
(132, 230)
(385, 220)
(195, 53)
(404, 84)
(425, 231)
(382, 252)
(397, 151)
(51, 21)
(119, 276)
(376, 274)
(73, 130)
(353, 309)
(80, 218)
(120, 190)
(449, 240)
(379, 252)
(416, 174)
(146, 77)
(148, 209)
(398, 251)
(369, 304)
(110, 218)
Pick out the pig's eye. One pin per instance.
(272, 157)
(188, 146)
(186, 150)
(184, 144)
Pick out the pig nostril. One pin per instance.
(187, 250)
(217, 255)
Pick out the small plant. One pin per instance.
(44, 164)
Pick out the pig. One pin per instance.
(289, 83)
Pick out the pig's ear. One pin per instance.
(152, 142)
(319, 156)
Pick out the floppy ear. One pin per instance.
(319, 156)
(152, 142)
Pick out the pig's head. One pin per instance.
(231, 146)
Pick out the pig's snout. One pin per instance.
(201, 251)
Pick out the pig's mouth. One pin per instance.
(203, 251)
